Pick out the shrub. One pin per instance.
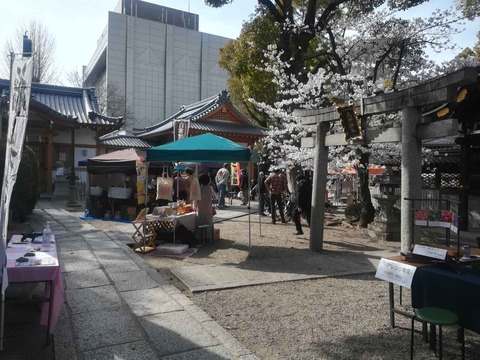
(353, 211)
(25, 191)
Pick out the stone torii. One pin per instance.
(414, 128)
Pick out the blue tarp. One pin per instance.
(202, 148)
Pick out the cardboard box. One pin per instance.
(119, 192)
(131, 213)
(172, 249)
(96, 191)
(216, 234)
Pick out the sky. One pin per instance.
(77, 24)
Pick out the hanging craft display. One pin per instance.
(195, 193)
(164, 186)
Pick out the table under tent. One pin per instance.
(112, 184)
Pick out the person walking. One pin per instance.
(276, 186)
(262, 193)
(221, 179)
(303, 202)
(243, 185)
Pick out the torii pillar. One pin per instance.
(409, 101)
(411, 173)
(317, 216)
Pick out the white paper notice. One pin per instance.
(431, 252)
(395, 272)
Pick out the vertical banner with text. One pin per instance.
(20, 90)
(142, 191)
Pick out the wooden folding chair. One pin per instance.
(144, 235)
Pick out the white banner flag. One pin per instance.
(20, 90)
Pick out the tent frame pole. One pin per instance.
(2, 316)
(248, 208)
(259, 194)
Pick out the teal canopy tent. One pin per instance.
(206, 148)
(202, 148)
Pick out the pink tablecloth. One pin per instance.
(43, 266)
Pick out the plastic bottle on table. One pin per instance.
(47, 236)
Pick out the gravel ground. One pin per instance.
(330, 318)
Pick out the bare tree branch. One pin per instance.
(43, 52)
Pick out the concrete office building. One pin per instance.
(155, 58)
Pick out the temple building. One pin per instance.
(215, 114)
(64, 124)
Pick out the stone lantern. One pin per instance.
(386, 225)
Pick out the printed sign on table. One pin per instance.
(395, 272)
(431, 252)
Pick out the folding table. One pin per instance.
(42, 267)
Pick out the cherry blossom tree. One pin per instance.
(332, 52)
(364, 54)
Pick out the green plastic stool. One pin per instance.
(440, 317)
(203, 232)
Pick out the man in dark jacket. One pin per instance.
(262, 194)
(243, 185)
(304, 202)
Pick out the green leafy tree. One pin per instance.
(25, 190)
(243, 59)
(328, 52)
(300, 22)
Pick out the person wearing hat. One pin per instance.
(276, 186)
(221, 179)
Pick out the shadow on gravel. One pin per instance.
(395, 344)
(350, 246)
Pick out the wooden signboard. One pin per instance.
(350, 122)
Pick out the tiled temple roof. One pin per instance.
(122, 138)
(195, 114)
(78, 105)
